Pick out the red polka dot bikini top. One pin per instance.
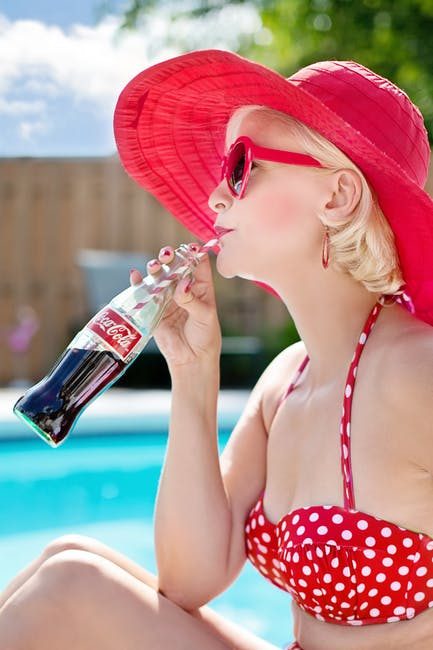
(339, 564)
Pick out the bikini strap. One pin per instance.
(346, 461)
(293, 382)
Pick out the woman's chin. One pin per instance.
(229, 272)
(224, 267)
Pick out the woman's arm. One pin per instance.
(192, 516)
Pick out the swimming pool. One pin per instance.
(105, 486)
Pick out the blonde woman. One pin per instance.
(314, 185)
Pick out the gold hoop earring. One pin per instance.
(325, 249)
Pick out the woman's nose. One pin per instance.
(219, 199)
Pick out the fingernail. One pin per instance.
(133, 279)
(187, 287)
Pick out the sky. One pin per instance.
(63, 65)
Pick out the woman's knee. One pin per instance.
(68, 542)
(69, 571)
(67, 583)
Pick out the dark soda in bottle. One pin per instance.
(56, 402)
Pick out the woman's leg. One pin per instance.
(78, 600)
(83, 543)
(80, 590)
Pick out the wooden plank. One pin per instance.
(7, 189)
(20, 263)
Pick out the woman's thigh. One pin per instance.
(204, 620)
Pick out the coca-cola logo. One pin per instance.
(118, 332)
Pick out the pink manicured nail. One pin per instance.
(166, 251)
(132, 278)
(187, 287)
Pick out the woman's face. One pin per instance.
(276, 219)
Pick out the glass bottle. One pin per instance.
(102, 351)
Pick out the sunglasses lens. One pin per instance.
(237, 166)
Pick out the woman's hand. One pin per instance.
(189, 332)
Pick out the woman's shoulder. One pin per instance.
(280, 372)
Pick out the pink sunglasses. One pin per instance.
(236, 164)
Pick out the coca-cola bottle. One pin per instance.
(102, 351)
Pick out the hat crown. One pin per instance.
(375, 107)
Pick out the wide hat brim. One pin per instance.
(169, 127)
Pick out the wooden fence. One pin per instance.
(50, 209)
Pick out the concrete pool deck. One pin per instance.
(121, 410)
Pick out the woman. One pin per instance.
(342, 234)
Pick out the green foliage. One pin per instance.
(393, 37)
(137, 9)
(277, 339)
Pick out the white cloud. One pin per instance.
(40, 87)
(27, 129)
(19, 107)
(83, 61)
(94, 63)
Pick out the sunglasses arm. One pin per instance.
(278, 155)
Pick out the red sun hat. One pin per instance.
(170, 121)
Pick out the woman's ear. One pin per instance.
(344, 193)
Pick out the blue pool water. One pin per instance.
(105, 487)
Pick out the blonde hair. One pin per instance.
(363, 244)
